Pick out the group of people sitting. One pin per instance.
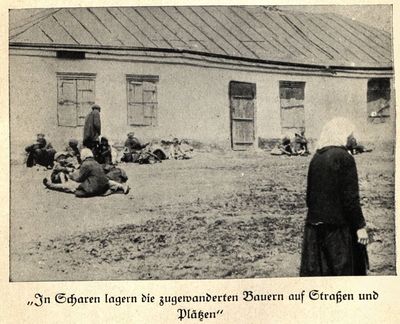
(296, 146)
(82, 171)
(299, 146)
(93, 171)
(86, 178)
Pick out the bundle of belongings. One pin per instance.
(297, 146)
(177, 149)
(152, 152)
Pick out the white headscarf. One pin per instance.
(86, 153)
(335, 132)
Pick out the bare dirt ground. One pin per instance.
(219, 215)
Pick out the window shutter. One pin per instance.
(142, 100)
(85, 94)
(136, 115)
(66, 102)
(292, 105)
(135, 107)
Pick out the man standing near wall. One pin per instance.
(92, 128)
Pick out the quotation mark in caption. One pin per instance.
(40, 300)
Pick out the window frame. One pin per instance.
(75, 76)
(289, 84)
(140, 78)
(374, 116)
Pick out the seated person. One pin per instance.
(73, 150)
(353, 147)
(90, 180)
(132, 148)
(117, 180)
(41, 152)
(62, 168)
(284, 147)
(102, 153)
(300, 144)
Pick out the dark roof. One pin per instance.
(240, 32)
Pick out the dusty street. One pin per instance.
(219, 215)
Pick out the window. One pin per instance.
(75, 97)
(291, 96)
(142, 100)
(378, 100)
(72, 55)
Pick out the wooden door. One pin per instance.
(242, 105)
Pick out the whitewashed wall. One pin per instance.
(193, 101)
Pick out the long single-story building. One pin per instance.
(222, 75)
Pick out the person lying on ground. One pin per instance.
(63, 167)
(186, 148)
(41, 153)
(283, 147)
(152, 153)
(353, 147)
(88, 181)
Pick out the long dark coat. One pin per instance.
(332, 189)
(92, 128)
(93, 181)
(330, 245)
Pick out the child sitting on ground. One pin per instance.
(63, 167)
(102, 152)
(73, 150)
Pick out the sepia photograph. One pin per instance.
(201, 142)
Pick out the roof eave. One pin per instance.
(324, 66)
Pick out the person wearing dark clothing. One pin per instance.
(132, 148)
(90, 180)
(115, 174)
(92, 128)
(73, 150)
(41, 152)
(102, 153)
(62, 168)
(354, 147)
(117, 180)
(334, 235)
(300, 144)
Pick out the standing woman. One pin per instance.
(335, 236)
